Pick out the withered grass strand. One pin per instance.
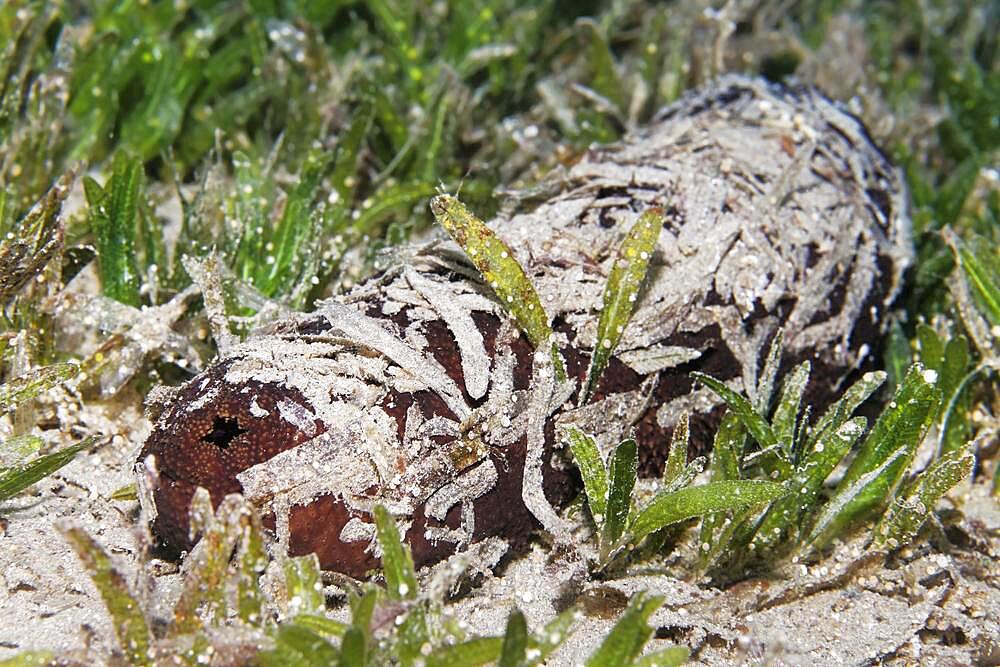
(679, 446)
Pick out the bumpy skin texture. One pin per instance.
(415, 390)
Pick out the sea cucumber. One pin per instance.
(416, 391)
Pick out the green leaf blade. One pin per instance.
(29, 659)
(838, 413)
(300, 646)
(296, 231)
(675, 656)
(252, 559)
(726, 464)
(470, 653)
(752, 420)
(354, 648)
(628, 274)
(35, 382)
(303, 585)
(203, 590)
(515, 641)
(842, 510)
(553, 635)
(346, 163)
(786, 414)
(786, 515)
(901, 425)
(595, 476)
(321, 625)
(629, 635)
(981, 269)
(622, 472)
(114, 217)
(128, 620)
(16, 479)
(694, 501)
(907, 515)
(497, 264)
(882, 459)
(604, 79)
(397, 562)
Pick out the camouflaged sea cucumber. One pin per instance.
(416, 391)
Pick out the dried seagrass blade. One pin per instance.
(33, 241)
(679, 445)
(621, 292)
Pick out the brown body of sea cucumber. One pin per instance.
(415, 390)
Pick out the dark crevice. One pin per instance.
(882, 200)
(224, 431)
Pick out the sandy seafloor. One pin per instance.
(927, 608)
